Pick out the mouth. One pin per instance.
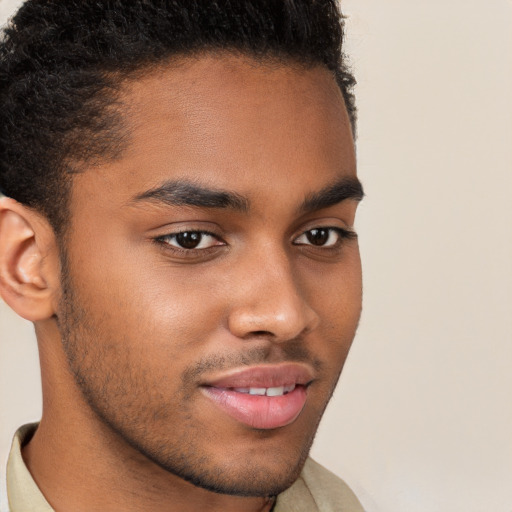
(274, 391)
(262, 397)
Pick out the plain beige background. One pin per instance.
(422, 420)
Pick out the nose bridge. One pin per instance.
(271, 301)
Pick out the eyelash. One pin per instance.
(165, 241)
(344, 235)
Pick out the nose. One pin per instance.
(270, 302)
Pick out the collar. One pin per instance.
(22, 492)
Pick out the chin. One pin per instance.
(265, 473)
(249, 481)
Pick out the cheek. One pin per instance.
(131, 334)
(335, 291)
(336, 296)
(145, 294)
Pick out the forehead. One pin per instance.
(224, 120)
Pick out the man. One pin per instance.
(180, 187)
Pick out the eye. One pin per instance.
(324, 237)
(190, 240)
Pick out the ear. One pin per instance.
(29, 261)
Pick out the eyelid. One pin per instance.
(342, 231)
(344, 234)
(204, 236)
(182, 252)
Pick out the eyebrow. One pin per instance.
(186, 193)
(342, 190)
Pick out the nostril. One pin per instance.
(261, 333)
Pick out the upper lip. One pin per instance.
(264, 376)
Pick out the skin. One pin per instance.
(129, 326)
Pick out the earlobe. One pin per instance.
(27, 280)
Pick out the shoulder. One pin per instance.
(317, 489)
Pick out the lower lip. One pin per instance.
(264, 412)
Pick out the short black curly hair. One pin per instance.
(62, 62)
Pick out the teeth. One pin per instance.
(242, 390)
(277, 391)
(257, 391)
(288, 389)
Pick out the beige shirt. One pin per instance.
(316, 490)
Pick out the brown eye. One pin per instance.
(190, 240)
(324, 237)
(318, 236)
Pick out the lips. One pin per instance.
(262, 397)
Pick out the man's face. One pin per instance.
(210, 264)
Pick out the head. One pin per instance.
(181, 192)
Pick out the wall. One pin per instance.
(422, 420)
